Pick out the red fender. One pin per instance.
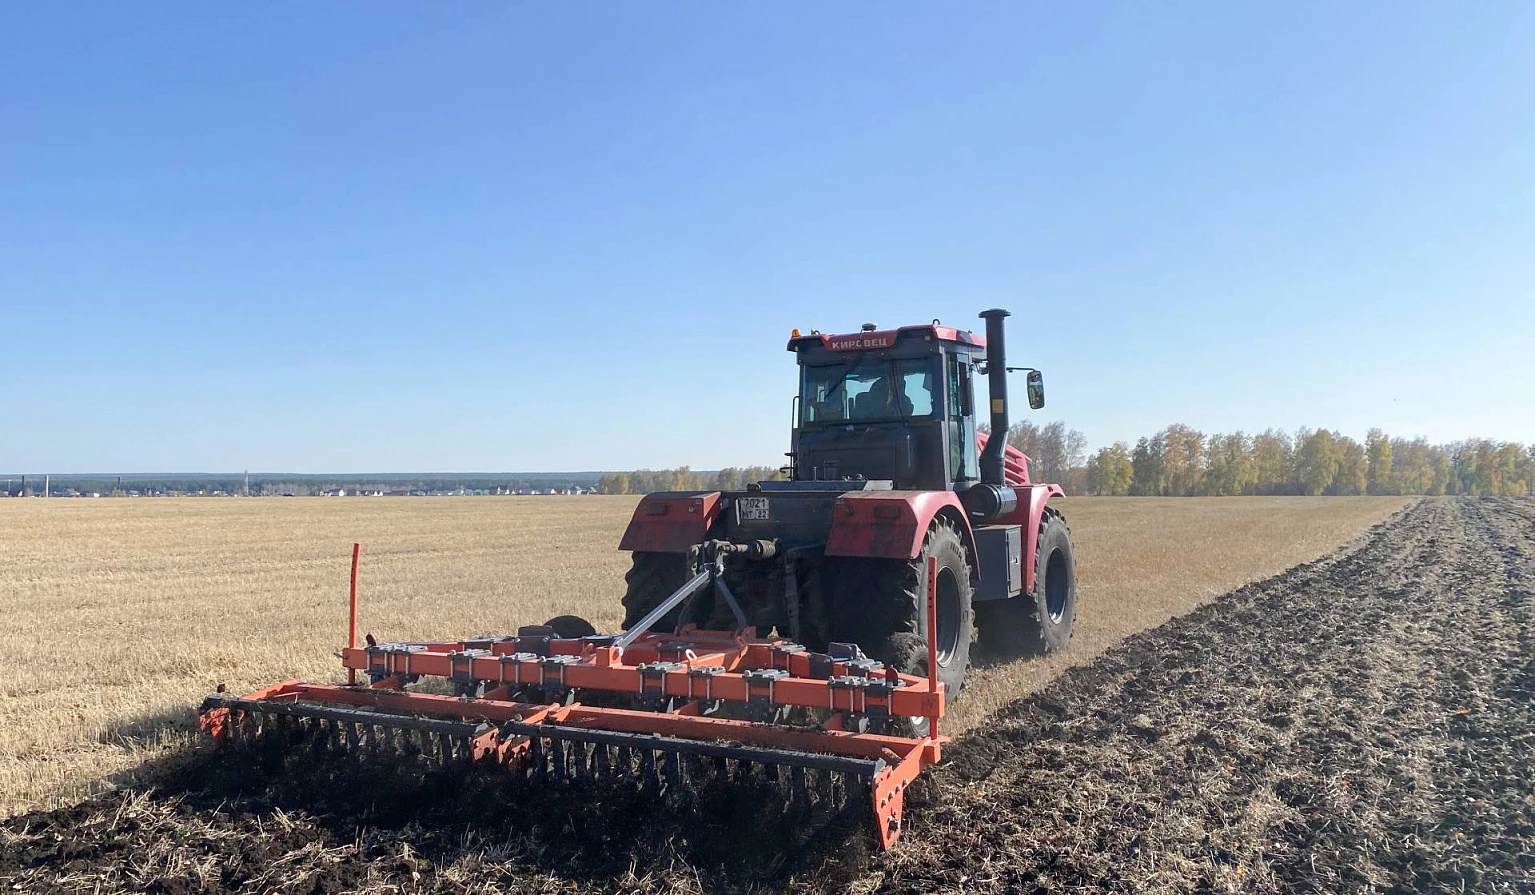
(671, 521)
(892, 524)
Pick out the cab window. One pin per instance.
(865, 391)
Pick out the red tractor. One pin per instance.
(776, 636)
(887, 471)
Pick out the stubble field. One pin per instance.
(120, 615)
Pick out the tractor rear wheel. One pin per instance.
(878, 600)
(1038, 622)
(651, 579)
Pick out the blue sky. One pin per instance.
(386, 237)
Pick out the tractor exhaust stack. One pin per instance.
(996, 373)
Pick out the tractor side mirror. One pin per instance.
(1036, 386)
(966, 395)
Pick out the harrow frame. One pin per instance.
(518, 704)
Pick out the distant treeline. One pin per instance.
(645, 481)
(1182, 461)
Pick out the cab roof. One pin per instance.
(885, 338)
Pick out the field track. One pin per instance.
(1362, 723)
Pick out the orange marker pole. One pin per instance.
(351, 628)
(932, 637)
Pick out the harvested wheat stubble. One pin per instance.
(155, 602)
(1362, 723)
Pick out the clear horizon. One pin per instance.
(576, 238)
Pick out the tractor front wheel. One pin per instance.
(651, 579)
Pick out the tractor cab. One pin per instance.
(888, 408)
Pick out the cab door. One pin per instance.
(959, 414)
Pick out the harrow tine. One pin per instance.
(652, 781)
(672, 771)
(319, 742)
(536, 758)
(799, 786)
(696, 771)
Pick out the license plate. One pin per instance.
(752, 509)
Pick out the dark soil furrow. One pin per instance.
(1363, 723)
(1332, 729)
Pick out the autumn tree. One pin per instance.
(1316, 460)
(1110, 470)
(1146, 466)
(1050, 463)
(1271, 461)
(1231, 467)
(1353, 474)
(1076, 462)
(1510, 465)
(1183, 460)
(1378, 451)
(1024, 436)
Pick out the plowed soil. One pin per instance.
(1364, 723)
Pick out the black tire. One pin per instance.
(877, 599)
(1039, 622)
(906, 653)
(652, 578)
(570, 626)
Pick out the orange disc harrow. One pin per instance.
(660, 710)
